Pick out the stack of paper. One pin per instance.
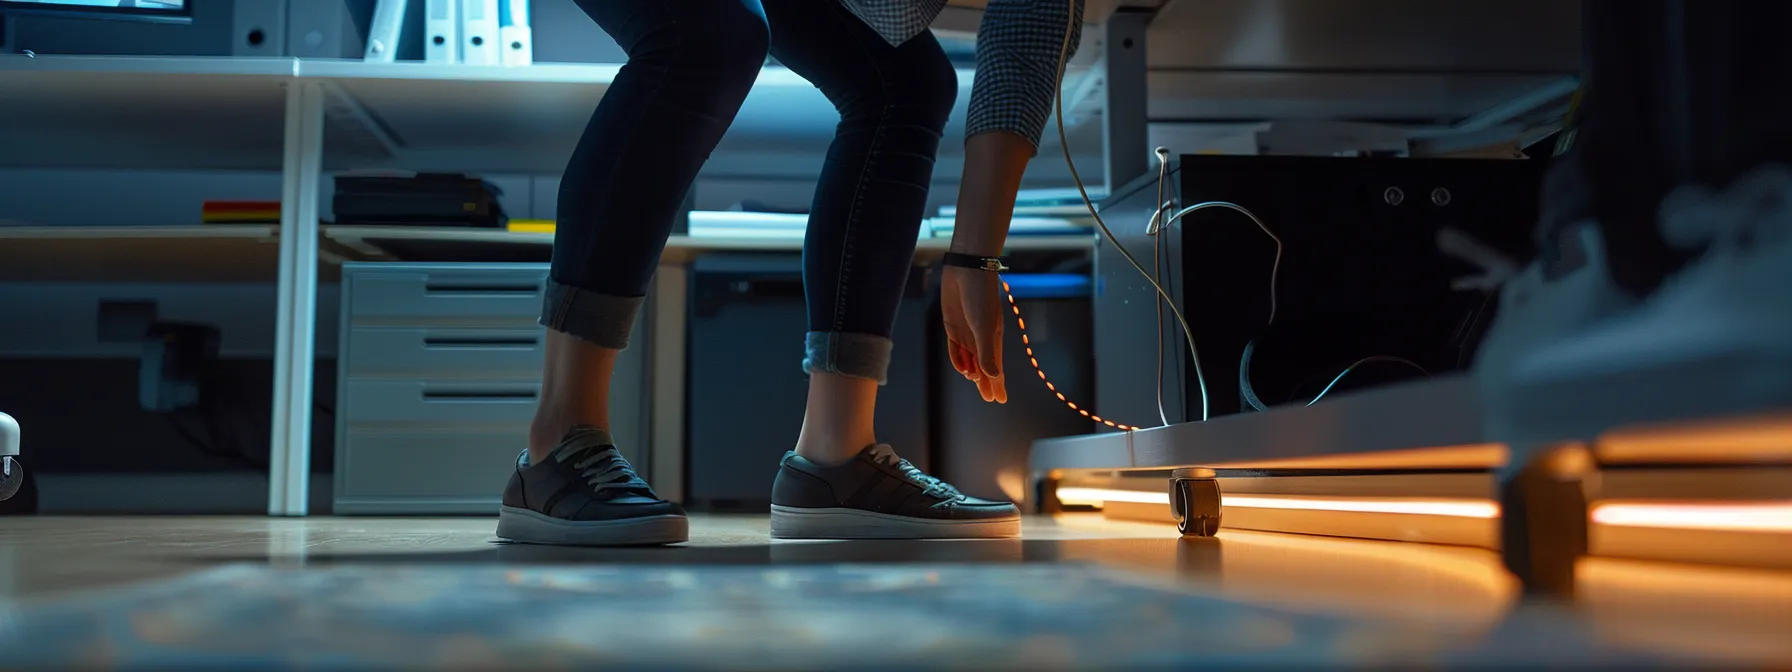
(730, 224)
(1037, 212)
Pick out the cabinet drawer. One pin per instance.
(431, 353)
(480, 295)
(425, 472)
(435, 404)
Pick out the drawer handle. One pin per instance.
(502, 289)
(481, 343)
(478, 396)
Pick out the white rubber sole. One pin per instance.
(839, 523)
(529, 527)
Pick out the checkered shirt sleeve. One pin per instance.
(1017, 65)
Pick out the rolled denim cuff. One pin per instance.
(851, 355)
(605, 321)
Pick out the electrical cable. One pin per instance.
(1083, 190)
(1360, 362)
(1027, 343)
(1163, 168)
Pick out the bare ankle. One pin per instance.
(832, 448)
(838, 421)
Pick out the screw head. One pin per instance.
(1393, 196)
(1440, 196)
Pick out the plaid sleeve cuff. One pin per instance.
(1018, 47)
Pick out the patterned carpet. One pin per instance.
(667, 617)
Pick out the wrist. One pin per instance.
(974, 248)
(975, 262)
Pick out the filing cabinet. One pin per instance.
(439, 371)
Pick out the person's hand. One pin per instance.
(971, 306)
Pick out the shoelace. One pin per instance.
(604, 469)
(933, 486)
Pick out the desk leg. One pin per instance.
(666, 379)
(295, 344)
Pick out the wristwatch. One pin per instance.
(991, 264)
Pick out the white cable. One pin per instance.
(1064, 144)
(1163, 168)
(1360, 362)
(1275, 268)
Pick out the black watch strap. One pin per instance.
(991, 264)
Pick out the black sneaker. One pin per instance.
(878, 495)
(585, 494)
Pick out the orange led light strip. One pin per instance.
(1455, 508)
(1048, 383)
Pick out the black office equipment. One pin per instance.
(427, 199)
(1361, 275)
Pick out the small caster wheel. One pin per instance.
(12, 477)
(1195, 502)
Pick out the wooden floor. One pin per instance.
(1730, 614)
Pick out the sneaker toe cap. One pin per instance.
(631, 506)
(972, 508)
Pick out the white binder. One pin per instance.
(479, 32)
(382, 35)
(514, 35)
(441, 23)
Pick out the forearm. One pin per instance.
(1018, 51)
(993, 165)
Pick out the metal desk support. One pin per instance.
(1126, 153)
(295, 344)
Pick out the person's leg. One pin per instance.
(868, 206)
(690, 66)
(894, 101)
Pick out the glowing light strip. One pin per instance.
(1028, 343)
(1465, 508)
(1732, 517)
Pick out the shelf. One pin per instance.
(219, 253)
(228, 114)
(1435, 424)
(1409, 62)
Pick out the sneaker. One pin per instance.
(585, 494)
(1564, 293)
(1716, 338)
(877, 495)
(1572, 357)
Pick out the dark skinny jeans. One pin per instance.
(690, 66)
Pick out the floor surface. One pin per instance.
(1075, 592)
